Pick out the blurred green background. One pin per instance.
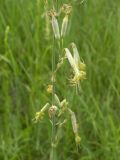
(25, 69)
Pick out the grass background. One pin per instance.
(25, 67)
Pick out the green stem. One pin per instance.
(53, 150)
(52, 154)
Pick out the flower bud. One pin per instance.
(77, 139)
(50, 88)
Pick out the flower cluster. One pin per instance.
(57, 109)
(66, 9)
(79, 67)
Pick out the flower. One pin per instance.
(77, 139)
(61, 104)
(50, 88)
(55, 26)
(81, 65)
(77, 65)
(39, 115)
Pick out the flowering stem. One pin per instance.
(52, 154)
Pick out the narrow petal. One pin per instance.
(64, 26)
(57, 100)
(71, 61)
(55, 27)
(76, 54)
(45, 107)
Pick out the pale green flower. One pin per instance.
(81, 65)
(76, 64)
(39, 115)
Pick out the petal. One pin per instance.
(76, 54)
(55, 27)
(64, 26)
(71, 61)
